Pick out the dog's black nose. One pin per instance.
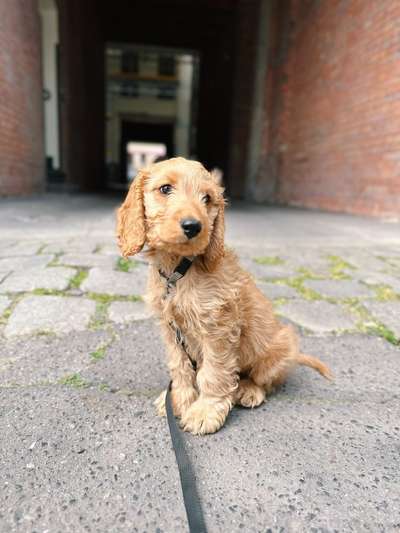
(191, 227)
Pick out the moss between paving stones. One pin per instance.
(55, 261)
(269, 260)
(368, 324)
(45, 333)
(101, 350)
(40, 251)
(297, 284)
(99, 353)
(279, 301)
(125, 265)
(8, 312)
(105, 298)
(384, 293)
(307, 293)
(100, 317)
(338, 266)
(382, 331)
(46, 292)
(79, 277)
(307, 273)
(74, 380)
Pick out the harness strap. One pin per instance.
(180, 339)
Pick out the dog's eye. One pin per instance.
(165, 189)
(206, 199)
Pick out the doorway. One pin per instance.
(151, 106)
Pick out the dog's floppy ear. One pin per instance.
(215, 249)
(131, 228)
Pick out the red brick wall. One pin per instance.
(21, 126)
(332, 136)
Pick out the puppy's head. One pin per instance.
(176, 206)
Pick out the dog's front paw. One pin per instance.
(160, 404)
(205, 416)
(181, 400)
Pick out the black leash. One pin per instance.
(191, 497)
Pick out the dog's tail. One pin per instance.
(316, 364)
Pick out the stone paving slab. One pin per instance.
(109, 249)
(315, 261)
(135, 362)
(318, 316)
(379, 278)
(22, 263)
(57, 314)
(89, 260)
(340, 288)
(388, 313)
(275, 290)
(46, 359)
(83, 246)
(86, 245)
(4, 303)
(55, 248)
(87, 461)
(6, 244)
(363, 259)
(125, 312)
(20, 248)
(260, 271)
(52, 278)
(117, 283)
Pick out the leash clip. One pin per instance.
(177, 274)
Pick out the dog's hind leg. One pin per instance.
(249, 394)
(280, 357)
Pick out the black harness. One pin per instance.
(171, 281)
(188, 479)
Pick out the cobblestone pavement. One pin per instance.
(81, 362)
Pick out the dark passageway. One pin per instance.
(210, 28)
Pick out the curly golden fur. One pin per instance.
(241, 350)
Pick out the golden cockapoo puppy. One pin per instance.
(241, 351)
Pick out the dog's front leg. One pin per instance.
(183, 392)
(217, 381)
